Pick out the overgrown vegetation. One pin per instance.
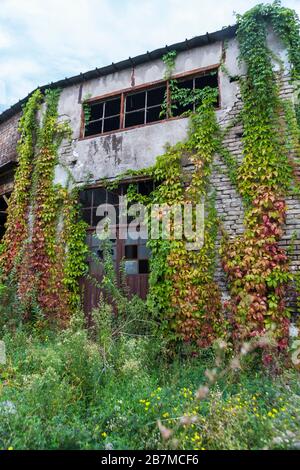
(64, 391)
(34, 250)
(257, 267)
(106, 386)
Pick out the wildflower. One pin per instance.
(166, 415)
(104, 434)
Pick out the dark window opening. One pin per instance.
(145, 107)
(196, 83)
(104, 117)
(145, 188)
(144, 266)
(91, 199)
(131, 251)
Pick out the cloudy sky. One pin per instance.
(46, 40)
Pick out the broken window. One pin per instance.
(137, 256)
(91, 199)
(104, 117)
(144, 107)
(130, 109)
(193, 84)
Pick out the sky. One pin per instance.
(46, 40)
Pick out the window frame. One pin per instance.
(140, 88)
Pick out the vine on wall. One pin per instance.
(47, 258)
(17, 212)
(257, 267)
(183, 293)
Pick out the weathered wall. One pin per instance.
(110, 155)
(8, 140)
(229, 204)
(107, 156)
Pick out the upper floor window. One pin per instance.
(144, 106)
(104, 117)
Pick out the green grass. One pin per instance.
(68, 395)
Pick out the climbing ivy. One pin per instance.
(18, 208)
(183, 294)
(256, 266)
(51, 257)
(175, 95)
(74, 237)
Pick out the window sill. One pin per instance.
(126, 129)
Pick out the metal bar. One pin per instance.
(122, 106)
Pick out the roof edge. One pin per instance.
(198, 41)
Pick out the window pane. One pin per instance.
(145, 187)
(86, 215)
(96, 111)
(96, 218)
(144, 266)
(153, 114)
(207, 80)
(99, 196)
(179, 109)
(112, 197)
(85, 198)
(93, 128)
(112, 107)
(136, 101)
(156, 96)
(94, 241)
(111, 124)
(134, 119)
(131, 267)
(144, 252)
(131, 251)
(186, 84)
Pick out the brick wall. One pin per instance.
(8, 139)
(229, 204)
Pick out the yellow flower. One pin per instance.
(166, 415)
(104, 434)
(274, 410)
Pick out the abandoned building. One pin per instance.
(126, 131)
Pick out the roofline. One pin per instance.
(208, 38)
